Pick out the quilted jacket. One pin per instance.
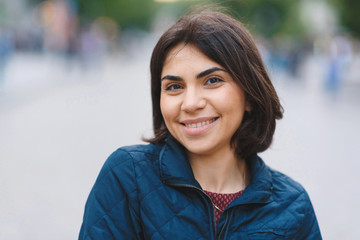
(149, 192)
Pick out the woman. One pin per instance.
(214, 109)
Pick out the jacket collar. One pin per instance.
(175, 169)
(174, 164)
(259, 190)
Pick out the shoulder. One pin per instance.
(285, 193)
(284, 183)
(128, 156)
(134, 153)
(295, 205)
(290, 194)
(115, 193)
(121, 167)
(118, 176)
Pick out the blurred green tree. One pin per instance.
(265, 17)
(268, 17)
(349, 14)
(127, 13)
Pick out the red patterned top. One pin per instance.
(221, 201)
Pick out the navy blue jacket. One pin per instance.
(149, 192)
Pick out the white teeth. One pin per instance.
(199, 124)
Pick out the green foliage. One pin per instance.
(265, 17)
(128, 13)
(349, 14)
(268, 17)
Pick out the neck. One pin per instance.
(221, 173)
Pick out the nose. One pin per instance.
(193, 101)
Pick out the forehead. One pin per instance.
(180, 48)
(187, 55)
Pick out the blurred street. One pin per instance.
(59, 122)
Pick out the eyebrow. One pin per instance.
(200, 75)
(172, 78)
(209, 71)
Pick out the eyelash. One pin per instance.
(171, 86)
(218, 80)
(175, 86)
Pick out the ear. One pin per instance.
(247, 107)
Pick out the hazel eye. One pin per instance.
(173, 87)
(213, 81)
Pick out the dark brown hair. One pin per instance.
(227, 42)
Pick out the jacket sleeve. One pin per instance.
(111, 211)
(310, 228)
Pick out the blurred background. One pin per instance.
(75, 86)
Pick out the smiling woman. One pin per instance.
(201, 104)
(214, 109)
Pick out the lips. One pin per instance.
(199, 125)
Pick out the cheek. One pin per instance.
(167, 108)
(231, 103)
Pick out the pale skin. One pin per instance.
(202, 108)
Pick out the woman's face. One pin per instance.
(201, 104)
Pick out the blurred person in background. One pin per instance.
(339, 59)
(6, 49)
(214, 109)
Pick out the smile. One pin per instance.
(199, 124)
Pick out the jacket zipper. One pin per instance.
(199, 189)
(223, 227)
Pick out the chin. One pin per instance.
(199, 149)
